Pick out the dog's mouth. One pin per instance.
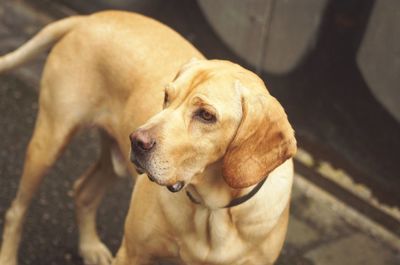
(139, 168)
(178, 186)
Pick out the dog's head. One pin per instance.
(214, 110)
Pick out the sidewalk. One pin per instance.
(322, 230)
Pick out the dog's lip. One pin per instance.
(151, 178)
(178, 186)
(139, 168)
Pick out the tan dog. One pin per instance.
(219, 134)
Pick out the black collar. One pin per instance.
(235, 201)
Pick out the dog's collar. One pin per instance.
(236, 201)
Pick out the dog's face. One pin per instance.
(207, 117)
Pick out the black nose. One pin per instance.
(142, 141)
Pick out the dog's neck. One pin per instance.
(210, 190)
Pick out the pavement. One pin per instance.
(322, 229)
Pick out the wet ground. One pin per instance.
(322, 229)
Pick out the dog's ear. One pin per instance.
(263, 141)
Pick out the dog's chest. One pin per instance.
(211, 237)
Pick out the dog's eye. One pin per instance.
(205, 116)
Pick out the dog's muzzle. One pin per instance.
(142, 144)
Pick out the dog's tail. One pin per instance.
(43, 40)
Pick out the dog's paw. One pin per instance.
(95, 254)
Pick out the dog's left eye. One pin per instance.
(205, 116)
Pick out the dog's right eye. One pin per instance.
(205, 116)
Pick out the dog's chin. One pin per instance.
(172, 187)
(176, 187)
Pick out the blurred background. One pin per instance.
(333, 64)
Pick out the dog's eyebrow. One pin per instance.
(200, 78)
(200, 100)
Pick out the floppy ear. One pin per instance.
(263, 141)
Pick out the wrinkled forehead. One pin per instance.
(211, 77)
(213, 85)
